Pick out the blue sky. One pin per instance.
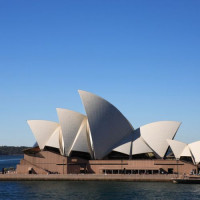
(141, 55)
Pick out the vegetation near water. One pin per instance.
(12, 150)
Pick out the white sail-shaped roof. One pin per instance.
(55, 140)
(107, 124)
(124, 148)
(42, 130)
(139, 147)
(70, 123)
(186, 152)
(133, 145)
(81, 142)
(195, 149)
(156, 135)
(125, 145)
(177, 147)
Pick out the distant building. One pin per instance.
(104, 141)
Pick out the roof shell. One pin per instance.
(125, 145)
(195, 149)
(70, 122)
(107, 124)
(81, 142)
(133, 145)
(56, 140)
(177, 147)
(139, 146)
(186, 152)
(156, 134)
(42, 130)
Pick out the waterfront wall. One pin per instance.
(165, 166)
(86, 177)
(46, 162)
(43, 163)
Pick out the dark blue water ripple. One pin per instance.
(91, 190)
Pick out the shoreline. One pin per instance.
(11, 154)
(85, 177)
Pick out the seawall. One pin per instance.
(87, 177)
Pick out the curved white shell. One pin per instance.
(107, 125)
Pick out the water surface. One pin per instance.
(90, 190)
(7, 161)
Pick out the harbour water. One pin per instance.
(92, 190)
(7, 161)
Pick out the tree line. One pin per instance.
(12, 150)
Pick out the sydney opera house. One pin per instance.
(104, 142)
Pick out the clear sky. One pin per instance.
(143, 56)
